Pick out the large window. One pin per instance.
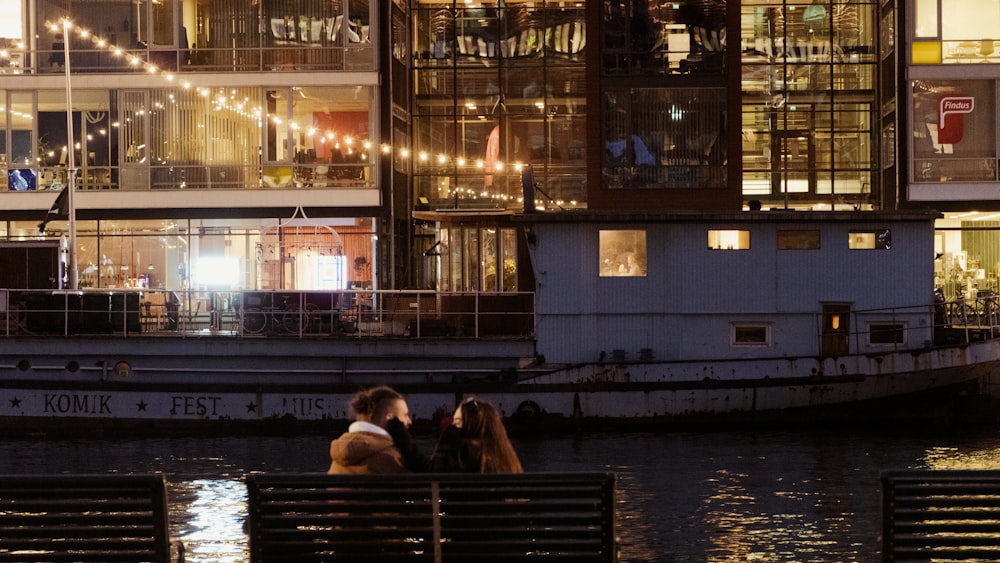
(808, 91)
(497, 88)
(669, 133)
(213, 35)
(954, 132)
(664, 138)
(956, 31)
(179, 254)
(652, 37)
(184, 138)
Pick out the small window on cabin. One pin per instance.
(623, 253)
(750, 334)
(798, 239)
(870, 240)
(728, 240)
(886, 333)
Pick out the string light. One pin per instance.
(222, 102)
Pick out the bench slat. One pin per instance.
(444, 517)
(943, 516)
(84, 518)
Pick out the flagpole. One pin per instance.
(71, 163)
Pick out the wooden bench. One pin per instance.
(84, 518)
(438, 518)
(951, 515)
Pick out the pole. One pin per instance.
(71, 164)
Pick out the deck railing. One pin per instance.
(259, 313)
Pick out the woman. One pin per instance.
(367, 447)
(475, 442)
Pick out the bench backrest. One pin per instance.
(940, 515)
(84, 518)
(432, 517)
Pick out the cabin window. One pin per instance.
(886, 333)
(623, 253)
(750, 334)
(728, 240)
(798, 239)
(870, 240)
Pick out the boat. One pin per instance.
(644, 319)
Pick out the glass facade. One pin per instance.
(498, 86)
(664, 95)
(191, 138)
(808, 103)
(204, 35)
(228, 115)
(951, 143)
(196, 135)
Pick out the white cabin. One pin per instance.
(763, 284)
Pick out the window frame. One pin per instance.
(892, 329)
(737, 326)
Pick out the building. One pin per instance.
(308, 144)
(229, 144)
(944, 157)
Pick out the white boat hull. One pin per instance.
(299, 383)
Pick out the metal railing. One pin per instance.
(133, 313)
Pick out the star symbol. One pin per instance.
(141, 405)
(15, 403)
(251, 407)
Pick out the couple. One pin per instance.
(379, 442)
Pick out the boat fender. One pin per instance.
(527, 409)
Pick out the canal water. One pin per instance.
(759, 496)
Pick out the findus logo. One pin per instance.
(951, 124)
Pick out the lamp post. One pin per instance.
(71, 261)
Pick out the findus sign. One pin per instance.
(951, 123)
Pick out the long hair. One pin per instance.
(485, 435)
(367, 402)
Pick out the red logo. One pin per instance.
(951, 123)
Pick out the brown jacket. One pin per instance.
(365, 452)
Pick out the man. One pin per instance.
(366, 447)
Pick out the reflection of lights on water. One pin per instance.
(742, 526)
(954, 458)
(208, 516)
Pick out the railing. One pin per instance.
(299, 57)
(348, 175)
(256, 313)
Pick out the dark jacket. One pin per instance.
(452, 454)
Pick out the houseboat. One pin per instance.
(660, 319)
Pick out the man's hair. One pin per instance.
(368, 401)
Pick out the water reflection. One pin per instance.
(208, 515)
(945, 457)
(683, 497)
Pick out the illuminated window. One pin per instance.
(329, 272)
(798, 239)
(217, 271)
(886, 333)
(729, 240)
(623, 253)
(747, 334)
(870, 240)
(926, 18)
